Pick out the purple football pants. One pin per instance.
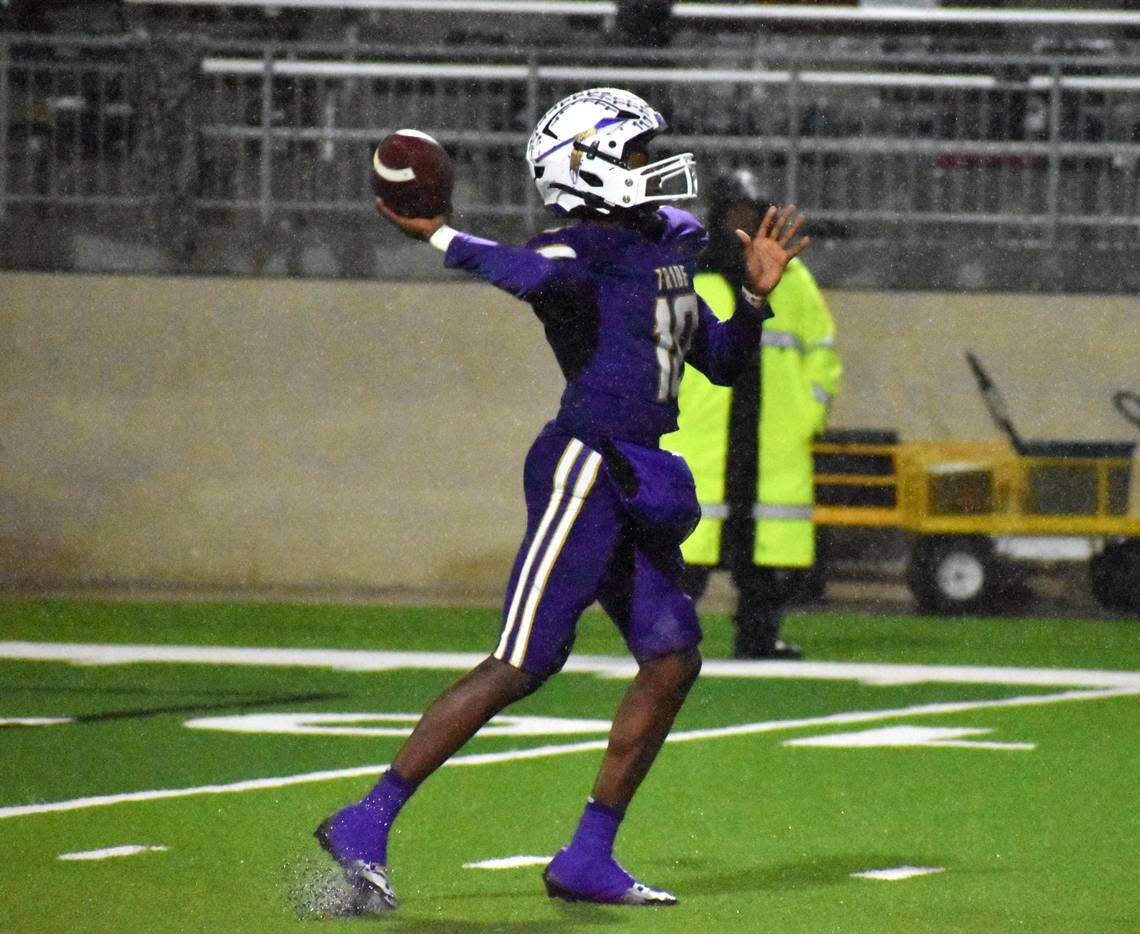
(580, 546)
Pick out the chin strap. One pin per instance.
(593, 201)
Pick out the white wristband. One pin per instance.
(442, 238)
(759, 302)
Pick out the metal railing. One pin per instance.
(1027, 151)
(731, 13)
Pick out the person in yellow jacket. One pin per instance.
(750, 446)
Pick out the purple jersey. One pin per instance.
(621, 316)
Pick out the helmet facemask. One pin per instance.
(627, 186)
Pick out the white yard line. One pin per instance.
(908, 735)
(541, 752)
(898, 873)
(80, 653)
(509, 862)
(157, 794)
(111, 852)
(919, 710)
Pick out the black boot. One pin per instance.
(763, 591)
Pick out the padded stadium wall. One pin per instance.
(368, 438)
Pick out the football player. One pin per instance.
(607, 509)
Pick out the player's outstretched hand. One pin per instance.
(767, 254)
(418, 228)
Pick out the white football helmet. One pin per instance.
(579, 149)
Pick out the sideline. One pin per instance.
(604, 666)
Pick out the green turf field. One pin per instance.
(1008, 770)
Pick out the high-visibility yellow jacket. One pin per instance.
(799, 372)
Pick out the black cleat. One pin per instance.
(372, 892)
(778, 649)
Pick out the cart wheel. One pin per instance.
(1114, 576)
(953, 574)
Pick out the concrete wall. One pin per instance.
(278, 432)
(1057, 359)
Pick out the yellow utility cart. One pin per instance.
(972, 511)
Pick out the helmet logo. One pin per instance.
(576, 152)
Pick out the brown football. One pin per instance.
(411, 173)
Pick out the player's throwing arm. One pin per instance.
(766, 255)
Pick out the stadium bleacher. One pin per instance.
(944, 123)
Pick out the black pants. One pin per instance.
(762, 593)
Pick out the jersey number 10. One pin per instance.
(675, 320)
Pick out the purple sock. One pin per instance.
(596, 830)
(388, 796)
(360, 831)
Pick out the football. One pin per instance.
(411, 173)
